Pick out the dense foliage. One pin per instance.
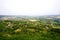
(29, 30)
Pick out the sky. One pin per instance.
(30, 7)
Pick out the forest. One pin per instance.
(41, 29)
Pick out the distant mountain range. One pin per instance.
(27, 16)
(1, 16)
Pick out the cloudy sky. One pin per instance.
(29, 7)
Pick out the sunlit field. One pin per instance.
(30, 28)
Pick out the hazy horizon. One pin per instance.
(30, 7)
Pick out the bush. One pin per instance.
(55, 30)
